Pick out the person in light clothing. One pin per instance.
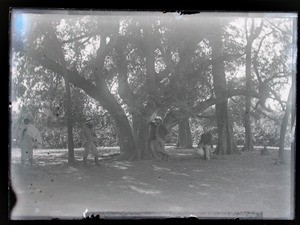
(87, 136)
(206, 143)
(30, 138)
(151, 140)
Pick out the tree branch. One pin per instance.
(259, 46)
(266, 115)
(254, 32)
(175, 115)
(89, 35)
(201, 106)
(229, 57)
(276, 75)
(276, 97)
(275, 26)
(74, 77)
(205, 117)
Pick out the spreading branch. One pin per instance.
(276, 26)
(266, 115)
(259, 46)
(74, 77)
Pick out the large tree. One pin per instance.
(139, 66)
(226, 143)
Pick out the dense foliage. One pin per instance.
(149, 66)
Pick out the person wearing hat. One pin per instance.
(30, 138)
(161, 133)
(87, 137)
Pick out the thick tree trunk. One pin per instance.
(283, 128)
(125, 138)
(125, 135)
(141, 150)
(124, 130)
(226, 143)
(184, 139)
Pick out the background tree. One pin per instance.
(251, 34)
(226, 143)
(283, 128)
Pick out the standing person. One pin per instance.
(161, 132)
(206, 143)
(151, 140)
(87, 136)
(30, 138)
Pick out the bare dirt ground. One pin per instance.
(248, 182)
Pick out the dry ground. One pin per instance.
(239, 183)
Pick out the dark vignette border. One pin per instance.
(185, 7)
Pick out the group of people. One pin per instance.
(31, 138)
(158, 132)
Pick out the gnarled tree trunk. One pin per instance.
(141, 134)
(124, 131)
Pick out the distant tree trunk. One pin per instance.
(248, 146)
(226, 143)
(251, 35)
(71, 158)
(184, 139)
(283, 128)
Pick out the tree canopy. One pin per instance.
(126, 67)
